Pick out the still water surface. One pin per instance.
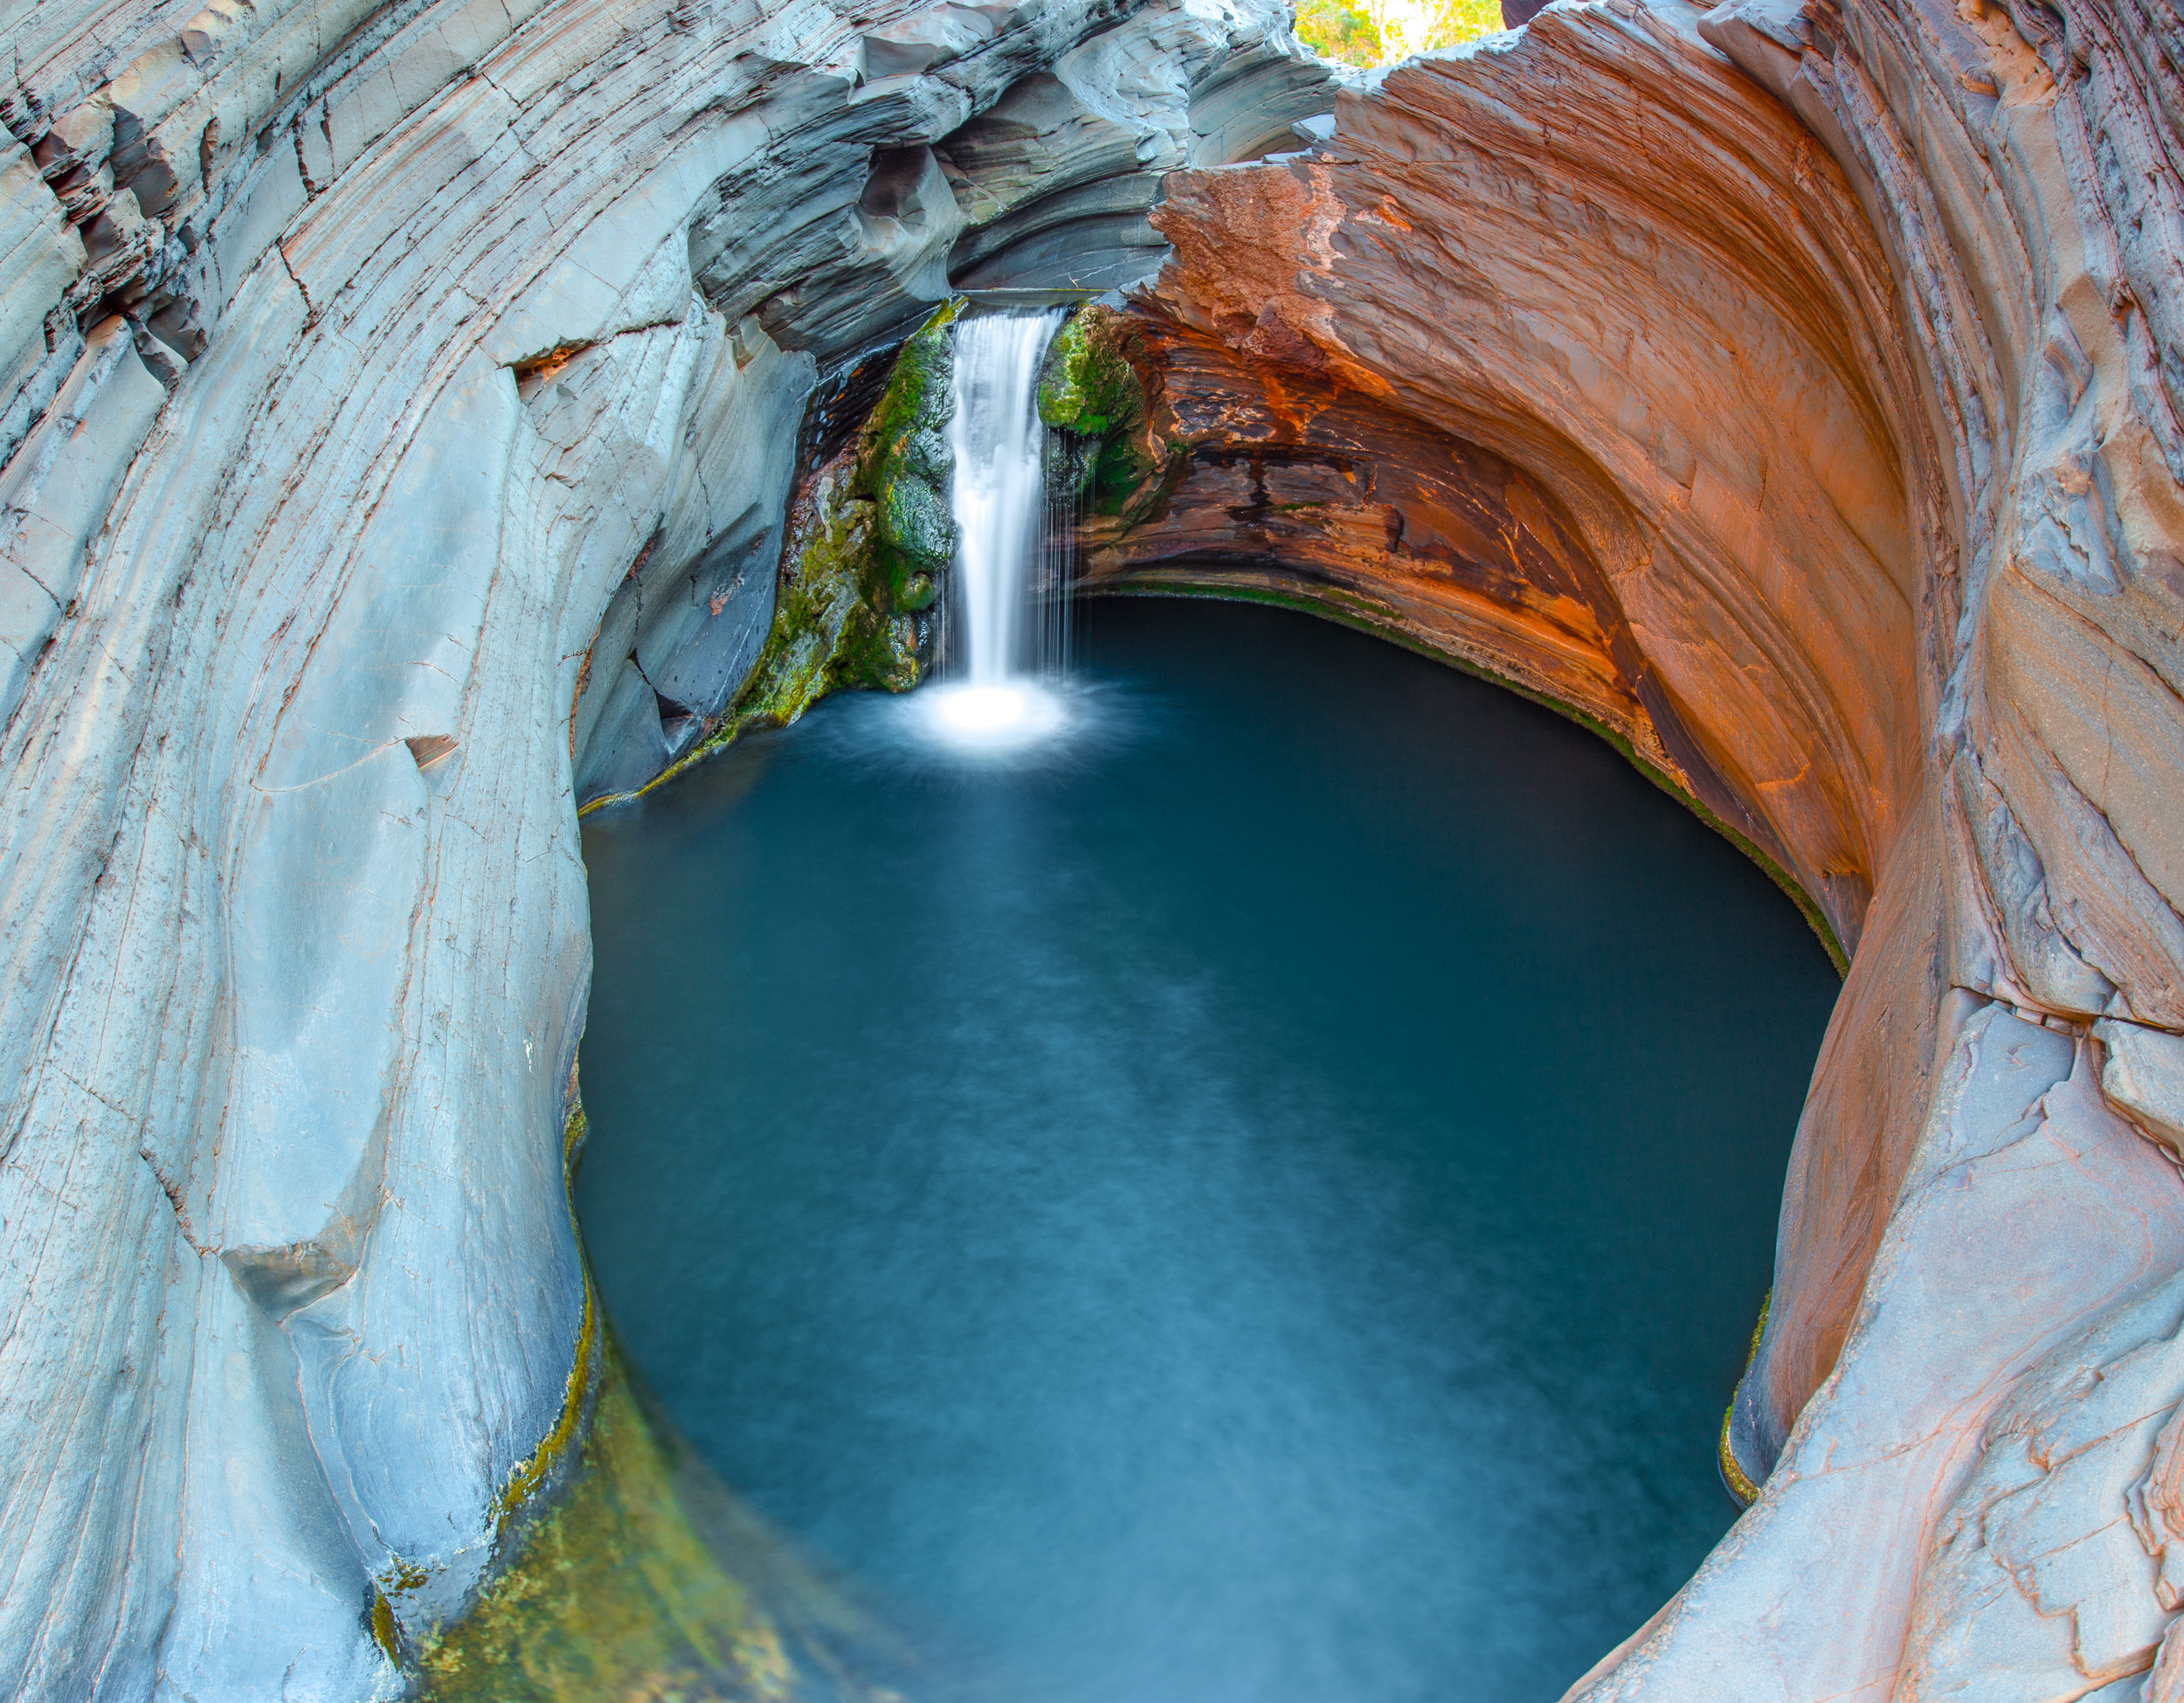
(1264, 1202)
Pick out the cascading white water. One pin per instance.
(999, 503)
(999, 496)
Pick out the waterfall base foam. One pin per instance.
(992, 717)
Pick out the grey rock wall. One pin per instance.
(397, 405)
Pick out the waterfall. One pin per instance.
(1000, 507)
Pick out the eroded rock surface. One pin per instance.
(400, 406)
(1793, 391)
(398, 410)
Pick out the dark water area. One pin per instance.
(1264, 1204)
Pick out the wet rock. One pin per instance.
(915, 522)
(1091, 395)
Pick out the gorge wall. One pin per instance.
(401, 399)
(1826, 450)
(401, 404)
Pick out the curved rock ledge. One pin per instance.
(1823, 444)
(387, 380)
(397, 406)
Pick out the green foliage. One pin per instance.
(1454, 22)
(1337, 31)
(1370, 32)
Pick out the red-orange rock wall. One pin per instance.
(1652, 305)
(1798, 391)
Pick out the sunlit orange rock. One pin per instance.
(1794, 393)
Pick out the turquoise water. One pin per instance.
(1262, 1202)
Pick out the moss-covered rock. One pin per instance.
(1087, 386)
(903, 434)
(870, 540)
(903, 467)
(867, 547)
(652, 1581)
(824, 586)
(1091, 393)
(615, 1595)
(1071, 463)
(916, 524)
(924, 454)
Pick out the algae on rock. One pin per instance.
(869, 542)
(824, 619)
(901, 464)
(1090, 391)
(870, 537)
(652, 1580)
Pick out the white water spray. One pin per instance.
(999, 503)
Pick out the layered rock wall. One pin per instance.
(400, 404)
(1825, 448)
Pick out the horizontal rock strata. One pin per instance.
(401, 402)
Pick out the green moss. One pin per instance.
(901, 436)
(383, 1627)
(1086, 386)
(873, 551)
(1368, 615)
(822, 590)
(1091, 391)
(551, 1453)
(868, 547)
(1732, 1472)
(916, 528)
(614, 1594)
